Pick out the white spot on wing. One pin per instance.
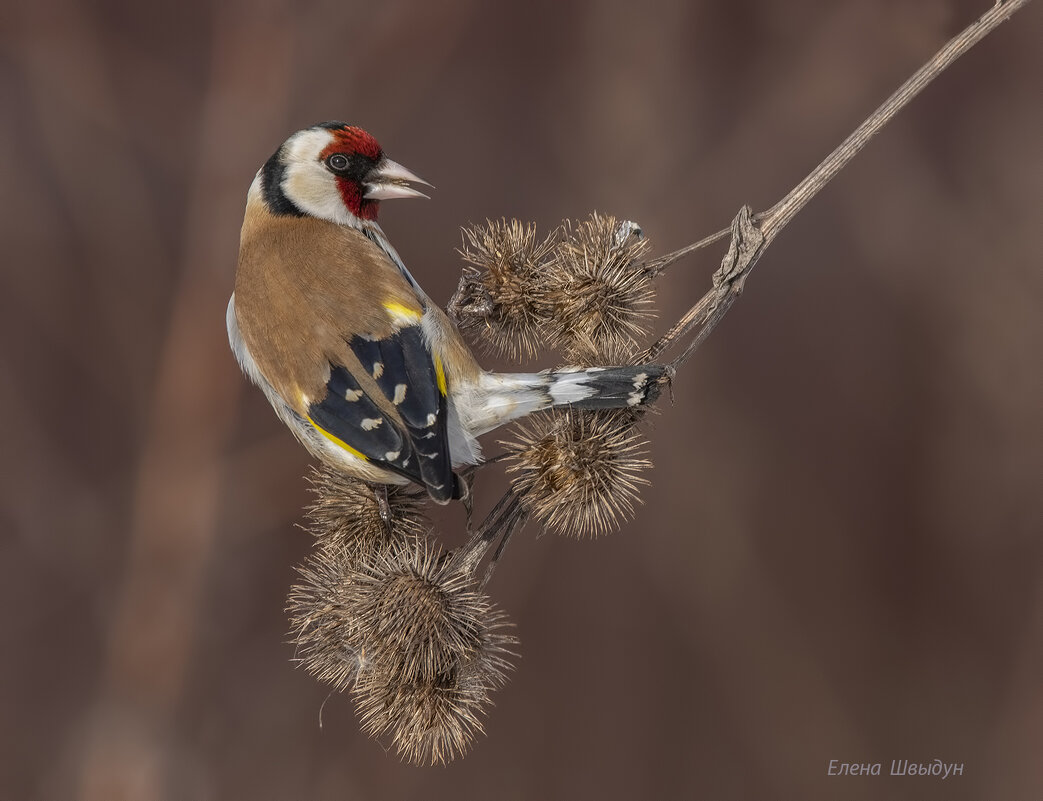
(390, 456)
(369, 423)
(378, 369)
(352, 394)
(431, 418)
(400, 394)
(640, 391)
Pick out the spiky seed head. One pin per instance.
(436, 648)
(498, 301)
(578, 472)
(345, 513)
(428, 721)
(323, 625)
(421, 616)
(411, 634)
(598, 291)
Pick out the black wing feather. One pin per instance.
(350, 415)
(408, 366)
(404, 370)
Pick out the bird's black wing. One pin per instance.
(412, 380)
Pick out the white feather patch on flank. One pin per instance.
(369, 423)
(400, 394)
(570, 388)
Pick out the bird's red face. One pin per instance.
(334, 171)
(351, 155)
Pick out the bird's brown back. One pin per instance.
(296, 292)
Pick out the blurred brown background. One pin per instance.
(840, 556)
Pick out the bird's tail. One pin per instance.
(502, 397)
(604, 387)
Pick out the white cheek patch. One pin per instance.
(314, 191)
(307, 182)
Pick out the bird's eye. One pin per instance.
(338, 162)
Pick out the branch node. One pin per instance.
(745, 247)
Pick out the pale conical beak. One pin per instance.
(389, 179)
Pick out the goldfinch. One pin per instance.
(367, 372)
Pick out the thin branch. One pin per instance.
(779, 215)
(751, 235)
(693, 317)
(656, 266)
(511, 524)
(467, 557)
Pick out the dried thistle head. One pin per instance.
(322, 620)
(422, 616)
(598, 291)
(578, 472)
(438, 649)
(414, 637)
(497, 302)
(428, 720)
(345, 513)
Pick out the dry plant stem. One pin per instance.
(656, 266)
(777, 217)
(746, 246)
(693, 317)
(752, 236)
(502, 517)
(516, 521)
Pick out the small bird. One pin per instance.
(367, 372)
